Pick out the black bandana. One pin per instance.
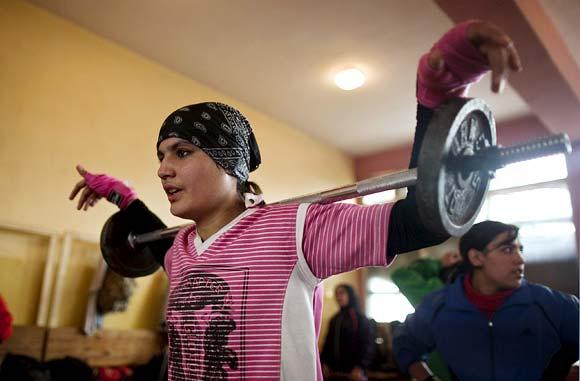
(221, 131)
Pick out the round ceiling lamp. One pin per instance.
(349, 79)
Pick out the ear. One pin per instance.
(475, 257)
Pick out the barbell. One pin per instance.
(457, 159)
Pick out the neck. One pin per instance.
(482, 286)
(208, 225)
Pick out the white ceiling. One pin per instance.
(280, 56)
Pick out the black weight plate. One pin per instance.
(448, 197)
(118, 253)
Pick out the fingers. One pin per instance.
(498, 62)
(78, 186)
(499, 49)
(81, 170)
(482, 32)
(84, 197)
(91, 200)
(435, 60)
(88, 198)
(514, 58)
(81, 184)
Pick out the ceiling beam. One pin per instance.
(550, 81)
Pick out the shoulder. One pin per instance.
(185, 232)
(433, 302)
(438, 297)
(546, 295)
(347, 213)
(275, 209)
(345, 206)
(268, 215)
(556, 306)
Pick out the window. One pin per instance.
(385, 303)
(533, 195)
(529, 172)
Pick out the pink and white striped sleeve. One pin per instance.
(343, 237)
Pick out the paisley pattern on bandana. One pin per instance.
(221, 131)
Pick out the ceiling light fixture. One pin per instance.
(349, 79)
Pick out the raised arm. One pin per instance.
(413, 339)
(461, 57)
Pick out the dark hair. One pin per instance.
(70, 368)
(352, 298)
(480, 235)
(248, 187)
(23, 368)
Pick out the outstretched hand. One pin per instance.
(88, 197)
(499, 49)
(495, 45)
(96, 186)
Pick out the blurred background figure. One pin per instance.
(490, 323)
(422, 277)
(349, 345)
(5, 321)
(426, 275)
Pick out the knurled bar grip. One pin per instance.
(497, 157)
(545, 146)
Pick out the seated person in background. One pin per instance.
(23, 368)
(426, 275)
(349, 345)
(422, 277)
(490, 324)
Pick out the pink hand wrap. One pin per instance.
(114, 190)
(464, 65)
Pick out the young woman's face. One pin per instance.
(195, 185)
(501, 265)
(341, 296)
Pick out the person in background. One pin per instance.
(426, 275)
(349, 345)
(490, 324)
(419, 279)
(5, 321)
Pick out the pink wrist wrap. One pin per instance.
(464, 64)
(114, 190)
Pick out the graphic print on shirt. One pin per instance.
(204, 318)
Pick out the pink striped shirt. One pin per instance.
(241, 303)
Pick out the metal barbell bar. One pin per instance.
(496, 157)
(457, 159)
(362, 188)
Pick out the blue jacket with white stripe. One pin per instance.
(516, 344)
